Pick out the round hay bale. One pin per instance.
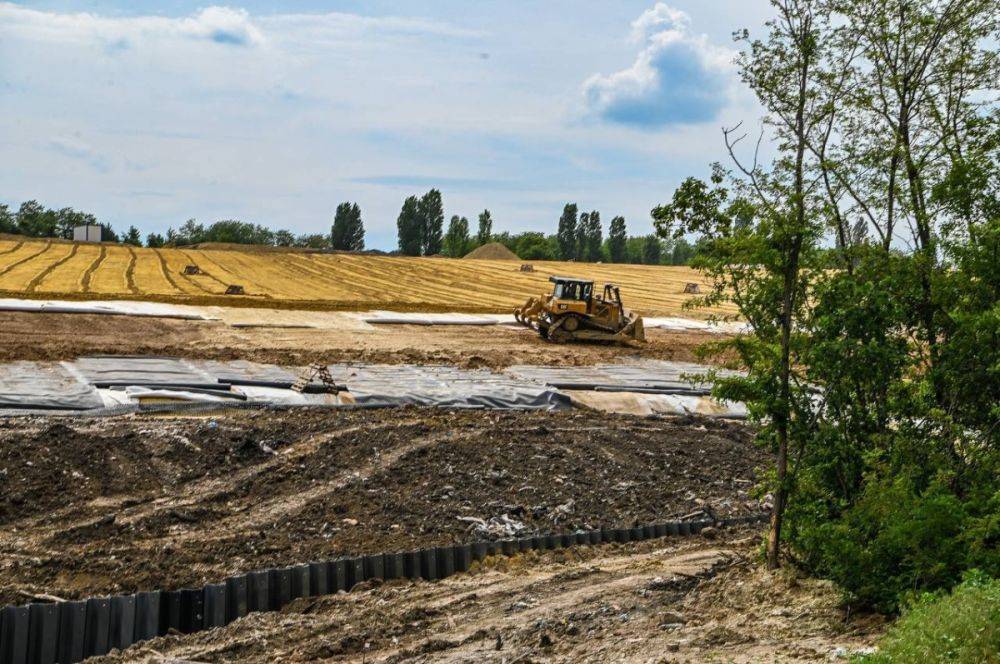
(493, 251)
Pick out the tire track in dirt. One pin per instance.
(12, 249)
(264, 513)
(186, 277)
(199, 491)
(261, 289)
(24, 260)
(130, 271)
(166, 272)
(303, 266)
(36, 281)
(205, 274)
(89, 272)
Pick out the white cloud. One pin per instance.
(677, 78)
(222, 25)
(76, 148)
(660, 17)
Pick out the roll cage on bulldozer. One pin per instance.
(573, 311)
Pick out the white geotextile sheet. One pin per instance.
(630, 403)
(110, 307)
(639, 375)
(690, 324)
(413, 318)
(440, 385)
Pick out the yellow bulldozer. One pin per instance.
(574, 312)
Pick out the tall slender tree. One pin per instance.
(341, 229)
(566, 235)
(485, 227)
(409, 227)
(582, 228)
(617, 237)
(356, 237)
(591, 236)
(456, 240)
(651, 250)
(432, 222)
(760, 247)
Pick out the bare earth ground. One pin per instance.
(142, 502)
(669, 600)
(32, 336)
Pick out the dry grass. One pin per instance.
(314, 281)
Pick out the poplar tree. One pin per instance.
(566, 236)
(617, 237)
(485, 227)
(409, 227)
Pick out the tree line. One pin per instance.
(420, 232)
(32, 219)
(865, 259)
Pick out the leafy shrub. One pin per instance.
(895, 541)
(962, 628)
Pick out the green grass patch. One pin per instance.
(962, 627)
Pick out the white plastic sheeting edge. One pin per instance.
(632, 403)
(107, 308)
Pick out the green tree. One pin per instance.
(132, 237)
(582, 228)
(485, 231)
(617, 237)
(651, 248)
(7, 221)
(567, 233)
(409, 227)
(760, 245)
(313, 241)
(34, 220)
(348, 231)
(533, 246)
(284, 238)
(108, 234)
(431, 210)
(155, 241)
(457, 240)
(190, 232)
(682, 252)
(590, 237)
(66, 219)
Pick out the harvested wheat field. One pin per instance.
(297, 279)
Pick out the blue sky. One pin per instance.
(150, 113)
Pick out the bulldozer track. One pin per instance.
(24, 260)
(36, 281)
(88, 274)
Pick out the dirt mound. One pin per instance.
(492, 251)
(102, 506)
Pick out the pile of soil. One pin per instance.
(492, 251)
(107, 506)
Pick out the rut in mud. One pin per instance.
(125, 504)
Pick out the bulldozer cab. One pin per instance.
(571, 295)
(565, 288)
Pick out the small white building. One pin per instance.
(87, 233)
